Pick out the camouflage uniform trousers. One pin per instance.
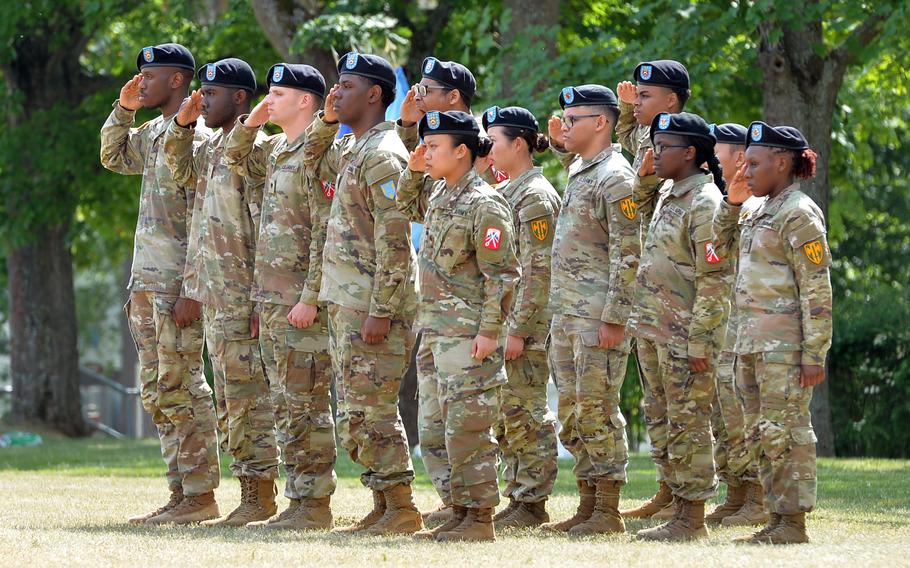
(589, 379)
(299, 370)
(459, 402)
(174, 391)
(242, 392)
(678, 418)
(367, 381)
(733, 459)
(786, 454)
(526, 429)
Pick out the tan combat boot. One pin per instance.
(176, 498)
(661, 499)
(606, 518)
(688, 524)
(313, 513)
(585, 509)
(667, 513)
(752, 513)
(286, 514)
(504, 514)
(401, 515)
(525, 516)
(257, 503)
(772, 524)
(371, 518)
(193, 509)
(457, 517)
(437, 516)
(736, 497)
(476, 527)
(790, 529)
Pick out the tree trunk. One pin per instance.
(279, 21)
(526, 14)
(44, 362)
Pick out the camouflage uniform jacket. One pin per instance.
(783, 285)
(295, 210)
(368, 262)
(467, 262)
(165, 206)
(596, 245)
(681, 296)
(636, 139)
(225, 219)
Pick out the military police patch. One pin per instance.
(628, 207)
(540, 228)
(389, 189)
(664, 122)
(278, 73)
(491, 114)
(711, 256)
(433, 119)
(429, 65)
(493, 238)
(568, 95)
(148, 54)
(210, 72)
(351, 61)
(756, 132)
(815, 252)
(645, 72)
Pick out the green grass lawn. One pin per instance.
(65, 503)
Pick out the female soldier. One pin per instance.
(677, 308)
(783, 303)
(526, 430)
(467, 272)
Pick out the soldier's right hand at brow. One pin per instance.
(185, 312)
(417, 160)
(626, 92)
(129, 94)
(647, 164)
(190, 109)
(328, 113)
(258, 116)
(738, 189)
(554, 129)
(410, 114)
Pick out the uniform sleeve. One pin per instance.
(413, 196)
(190, 276)
(320, 205)
(626, 129)
(410, 135)
(625, 246)
(391, 234)
(565, 157)
(495, 249)
(810, 258)
(713, 277)
(243, 155)
(536, 224)
(646, 191)
(179, 155)
(321, 151)
(123, 147)
(725, 230)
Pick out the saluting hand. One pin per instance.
(626, 91)
(410, 114)
(190, 109)
(259, 115)
(647, 164)
(129, 94)
(417, 161)
(554, 129)
(328, 115)
(738, 189)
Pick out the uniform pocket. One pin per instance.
(454, 244)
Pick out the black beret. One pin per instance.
(297, 76)
(450, 74)
(587, 95)
(762, 134)
(663, 73)
(165, 55)
(230, 72)
(448, 122)
(370, 66)
(517, 117)
(684, 124)
(729, 133)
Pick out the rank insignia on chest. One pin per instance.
(492, 238)
(540, 228)
(628, 208)
(711, 256)
(328, 189)
(815, 252)
(389, 189)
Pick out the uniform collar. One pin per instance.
(516, 183)
(603, 155)
(370, 134)
(772, 206)
(690, 183)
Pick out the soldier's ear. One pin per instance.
(374, 95)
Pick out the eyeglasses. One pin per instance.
(570, 120)
(658, 148)
(423, 90)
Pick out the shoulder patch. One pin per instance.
(328, 189)
(628, 207)
(492, 238)
(815, 252)
(711, 256)
(389, 189)
(540, 228)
